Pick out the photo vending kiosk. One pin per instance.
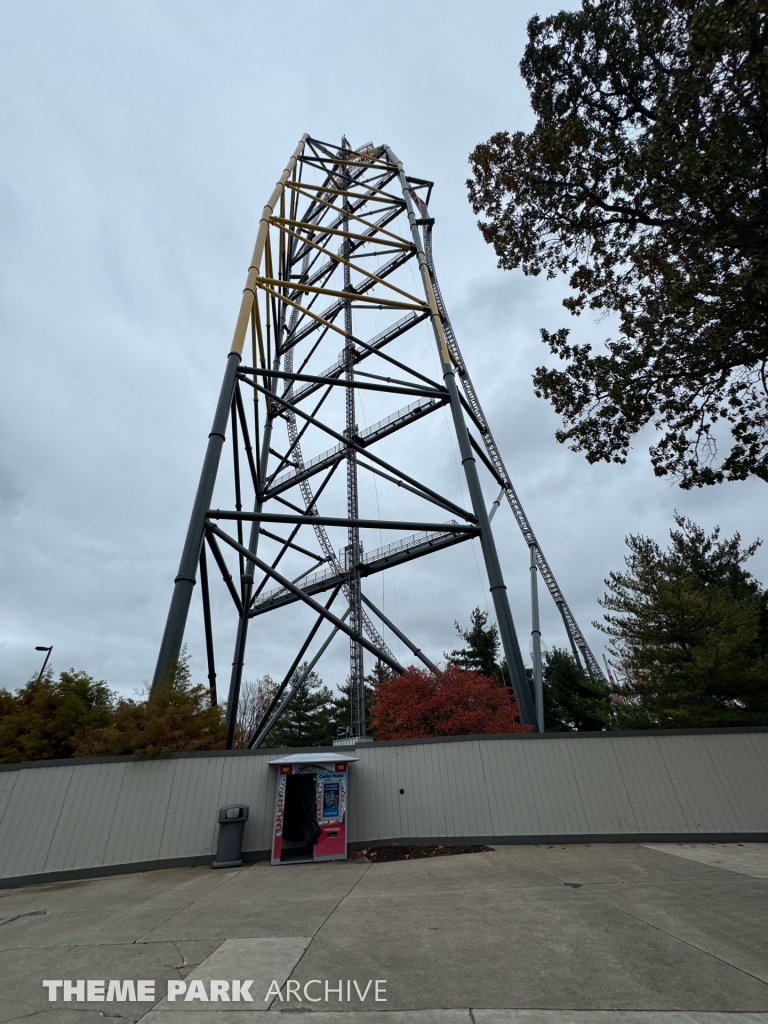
(310, 822)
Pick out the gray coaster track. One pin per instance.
(576, 637)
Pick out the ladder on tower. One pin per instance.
(575, 636)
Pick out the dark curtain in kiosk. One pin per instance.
(300, 821)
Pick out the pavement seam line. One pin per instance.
(558, 883)
(762, 1014)
(74, 1009)
(529, 862)
(706, 863)
(686, 942)
(99, 945)
(615, 1009)
(29, 913)
(526, 888)
(170, 917)
(322, 924)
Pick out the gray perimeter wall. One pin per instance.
(96, 816)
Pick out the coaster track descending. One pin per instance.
(345, 239)
(575, 636)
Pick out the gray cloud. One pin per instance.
(140, 142)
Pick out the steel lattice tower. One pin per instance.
(344, 240)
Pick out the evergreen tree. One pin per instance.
(307, 721)
(689, 630)
(482, 646)
(178, 716)
(341, 719)
(573, 702)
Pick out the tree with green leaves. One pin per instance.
(482, 646)
(177, 716)
(573, 702)
(307, 721)
(645, 181)
(688, 629)
(49, 718)
(341, 718)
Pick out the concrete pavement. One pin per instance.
(581, 934)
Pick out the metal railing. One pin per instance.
(426, 539)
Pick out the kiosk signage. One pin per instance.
(310, 821)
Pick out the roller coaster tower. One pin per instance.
(341, 282)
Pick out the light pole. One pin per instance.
(48, 649)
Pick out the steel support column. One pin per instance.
(496, 583)
(264, 733)
(400, 635)
(538, 679)
(356, 666)
(241, 638)
(210, 657)
(173, 636)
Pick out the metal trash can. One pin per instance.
(232, 819)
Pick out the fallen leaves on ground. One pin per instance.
(417, 851)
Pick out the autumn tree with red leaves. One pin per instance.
(453, 702)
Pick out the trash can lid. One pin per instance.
(233, 812)
(322, 757)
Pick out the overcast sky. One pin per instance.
(140, 141)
